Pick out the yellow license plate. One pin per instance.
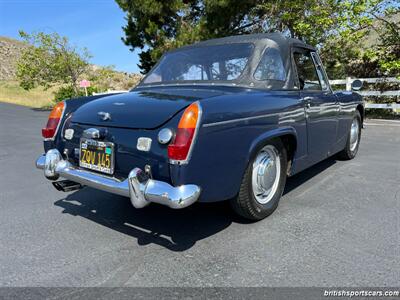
(97, 156)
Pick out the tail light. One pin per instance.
(54, 120)
(179, 150)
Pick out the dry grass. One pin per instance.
(11, 92)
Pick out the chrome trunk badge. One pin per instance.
(105, 116)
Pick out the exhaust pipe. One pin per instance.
(67, 185)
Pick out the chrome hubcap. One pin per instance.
(354, 134)
(265, 174)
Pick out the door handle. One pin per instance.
(307, 101)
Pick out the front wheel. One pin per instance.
(263, 182)
(353, 139)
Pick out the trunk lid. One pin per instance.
(139, 109)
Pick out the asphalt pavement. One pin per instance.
(337, 224)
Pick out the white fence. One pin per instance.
(347, 82)
(111, 92)
(396, 94)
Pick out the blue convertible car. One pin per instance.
(224, 119)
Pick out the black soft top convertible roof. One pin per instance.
(281, 40)
(260, 41)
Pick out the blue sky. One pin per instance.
(95, 24)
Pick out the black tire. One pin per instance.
(246, 204)
(348, 153)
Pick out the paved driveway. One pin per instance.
(337, 224)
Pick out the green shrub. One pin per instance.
(67, 92)
(374, 113)
(64, 92)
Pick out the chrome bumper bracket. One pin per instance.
(141, 189)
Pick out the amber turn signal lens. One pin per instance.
(54, 119)
(190, 116)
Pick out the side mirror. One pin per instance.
(356, 85)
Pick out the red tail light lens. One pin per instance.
(179, 149)
(54, 119)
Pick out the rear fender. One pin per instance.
(262, 139)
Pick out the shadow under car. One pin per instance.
(176, 230)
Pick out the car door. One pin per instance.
(320, 104)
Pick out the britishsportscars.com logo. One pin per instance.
(362, 293)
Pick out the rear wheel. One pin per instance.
(263, 182)
(353, 139)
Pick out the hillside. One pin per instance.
(10, 50)
(10, 91)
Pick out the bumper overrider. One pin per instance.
(138, 186)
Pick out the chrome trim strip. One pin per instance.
(239, 120)
(138, 187)
(63, 126)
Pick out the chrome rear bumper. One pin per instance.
(138, 187)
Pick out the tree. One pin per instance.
(372, 50)
(386, 53)
(155, 26)
(50, 60)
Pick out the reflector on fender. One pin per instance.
(54, 119)
(179, 150)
